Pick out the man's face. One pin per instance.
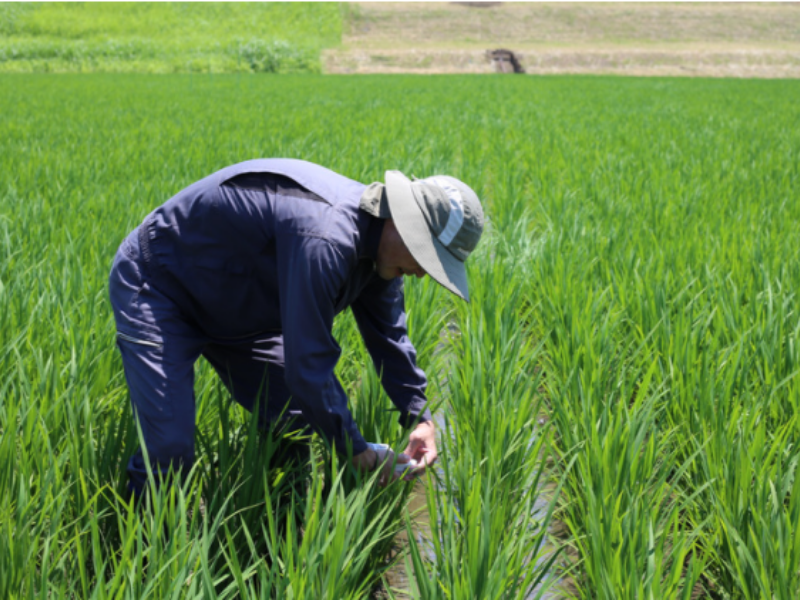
(394, 259)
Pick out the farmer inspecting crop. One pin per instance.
(248, 268)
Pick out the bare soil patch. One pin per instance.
(704, 39)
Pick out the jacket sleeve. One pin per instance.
(381, 317)
(311, 272)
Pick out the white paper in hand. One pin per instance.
(382, 450)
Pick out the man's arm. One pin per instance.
(311, 272)
(381, 317)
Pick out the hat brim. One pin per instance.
(427, 250)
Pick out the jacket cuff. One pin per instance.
(411, 419)
(352, 439)
(346, 440)
(359, 446)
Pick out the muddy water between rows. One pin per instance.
(397, 578)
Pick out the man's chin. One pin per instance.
(386, 273)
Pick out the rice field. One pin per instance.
(618, 405)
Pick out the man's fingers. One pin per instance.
(387, 472)
(413, 444)
(421, 451)
(366, 461)
(396, 466)
(426, 460)
(386, 467)
(411, 448)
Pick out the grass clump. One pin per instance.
(166, 37)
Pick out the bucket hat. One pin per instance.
(440, 220)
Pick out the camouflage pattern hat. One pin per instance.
(440, 220)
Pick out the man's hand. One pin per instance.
(421, 447)
(369, 460)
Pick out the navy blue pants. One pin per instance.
(159, 349)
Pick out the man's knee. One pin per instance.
(173, 452)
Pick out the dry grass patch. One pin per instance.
(714, 39)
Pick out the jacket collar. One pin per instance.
(373, 229)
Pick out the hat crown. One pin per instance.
(453, 212)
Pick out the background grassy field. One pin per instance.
(166, 37)
(636, 292)
(711, 39)
(720, 39)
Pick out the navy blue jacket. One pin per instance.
(288, 263)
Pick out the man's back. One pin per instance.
(218, 254)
